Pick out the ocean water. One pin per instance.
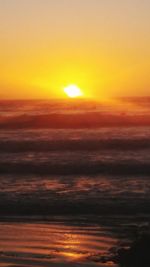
(71, 173)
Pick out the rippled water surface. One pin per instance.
(53, 242)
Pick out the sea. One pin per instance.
(74, 179)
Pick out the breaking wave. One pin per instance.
(73, 121)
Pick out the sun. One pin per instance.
(73, 91)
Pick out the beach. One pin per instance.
(72, 195)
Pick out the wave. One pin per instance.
(42, 206)
(73, 121)
(130, 167)
(116, 144)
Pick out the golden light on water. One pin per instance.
(71, 245)
(73, 91)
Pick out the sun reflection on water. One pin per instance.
(71, 245)
(54, 242)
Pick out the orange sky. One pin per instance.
(102, 46)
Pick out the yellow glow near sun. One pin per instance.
(73, 91)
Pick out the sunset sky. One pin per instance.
(102, 46)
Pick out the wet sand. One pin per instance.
(57, 243)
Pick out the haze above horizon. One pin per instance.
(103, 47)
